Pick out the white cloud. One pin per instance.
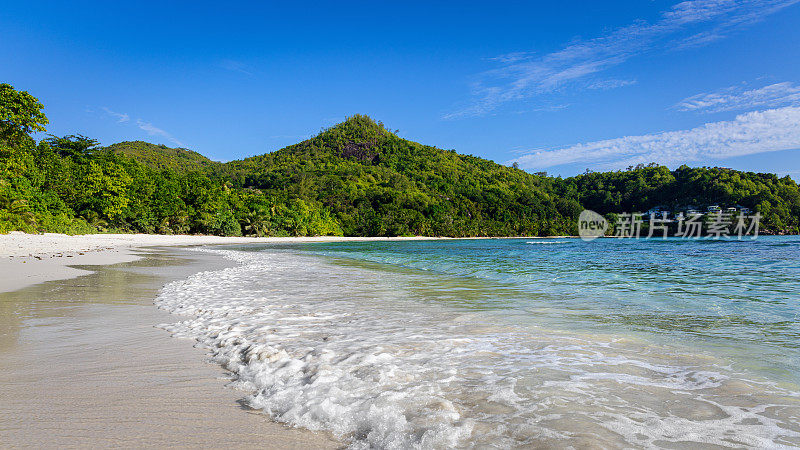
(749, 133)
(155, 131)
(511, 57)
(610, 84)
(148, 127)
(521, 76)
(721, 30)
(550, 108)
(121, 117)
(739, 98)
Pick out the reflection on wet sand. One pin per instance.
(82, 365)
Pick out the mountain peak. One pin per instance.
(358, 128)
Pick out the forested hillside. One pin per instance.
(162, 157)
(644, 187)
(375, 183)
(356, 178)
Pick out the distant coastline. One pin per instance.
(28, 259)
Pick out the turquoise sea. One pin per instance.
(614, 343)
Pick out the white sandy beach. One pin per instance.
(82, 364)
(28, 259)
(88, 361)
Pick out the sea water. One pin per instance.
(511, 342)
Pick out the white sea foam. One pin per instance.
(344, 349)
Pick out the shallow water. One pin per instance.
(513, 342)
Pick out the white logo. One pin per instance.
(591, 225)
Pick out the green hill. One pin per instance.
(356, 178)
(375, 183)
(162, 157)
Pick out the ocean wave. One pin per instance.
(345, 350)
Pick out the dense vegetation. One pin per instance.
(776, 199)
(162, 157)
(356, 178)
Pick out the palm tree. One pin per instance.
(256, 223)
(18, 208)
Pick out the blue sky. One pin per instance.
(557, 86)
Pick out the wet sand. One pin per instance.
(28, 259)
(82, 365)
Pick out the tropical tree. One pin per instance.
(20, 114)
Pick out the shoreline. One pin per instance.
(30, 259)
(276, 322)
(87, 366)
(83, 364)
